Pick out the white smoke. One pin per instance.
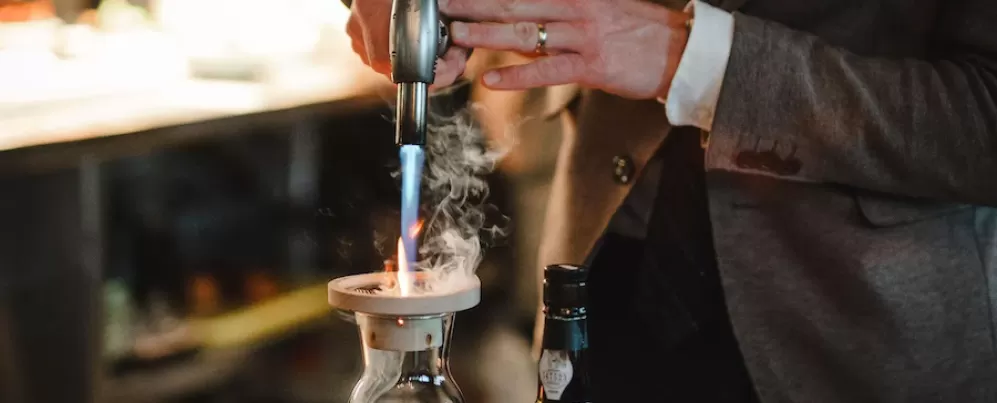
(455, 206)
(455, 196)
(382, 369)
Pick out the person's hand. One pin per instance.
(369, 26)
(629, 48)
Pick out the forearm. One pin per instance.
(911, 127)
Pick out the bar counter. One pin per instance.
(50, 135)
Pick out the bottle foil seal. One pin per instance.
(565, 286)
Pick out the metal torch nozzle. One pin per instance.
(418, 38)
(410, 115)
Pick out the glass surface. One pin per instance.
(407, 377)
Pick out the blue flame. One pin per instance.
(412, 159)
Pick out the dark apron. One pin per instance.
(659, 330)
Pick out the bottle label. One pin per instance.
(555, 372)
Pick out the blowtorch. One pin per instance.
(419, 36)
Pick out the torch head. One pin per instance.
(418, 38)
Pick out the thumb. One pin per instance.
(450, 67)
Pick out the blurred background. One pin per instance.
(180, 178)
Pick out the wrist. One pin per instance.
(680, 26)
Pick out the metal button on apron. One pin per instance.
(623, 169)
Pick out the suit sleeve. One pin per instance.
(917, 127)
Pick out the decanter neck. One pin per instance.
(405, 358)
(428, 362)
(421, 337)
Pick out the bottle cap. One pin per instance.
(564, 285)
(565, 273)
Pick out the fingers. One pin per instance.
(377, 53)
(511, 10)
(353, 27)
(374, 53)
(450, 67)
(356, 39)
(358, 48)
(520, 36)
(364, 45)
(552, 70)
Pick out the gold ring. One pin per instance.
(541, 39)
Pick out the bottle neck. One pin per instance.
(391, 374)
(423, 366)
(558, 312)
(418, 344)
(565, 332)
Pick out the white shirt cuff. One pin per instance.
(692, 98)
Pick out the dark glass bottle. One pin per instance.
(564, 363)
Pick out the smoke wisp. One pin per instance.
(459, 222)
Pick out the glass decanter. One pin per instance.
(406, 360)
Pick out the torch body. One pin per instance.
(418, 38)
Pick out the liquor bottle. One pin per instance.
(563, 369)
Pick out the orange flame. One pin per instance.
(415, 230)
(404, 275)
(405, 280)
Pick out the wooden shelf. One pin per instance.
(257, 323)
(227, 344)
(206, 370)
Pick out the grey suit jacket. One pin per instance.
(851, 169)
